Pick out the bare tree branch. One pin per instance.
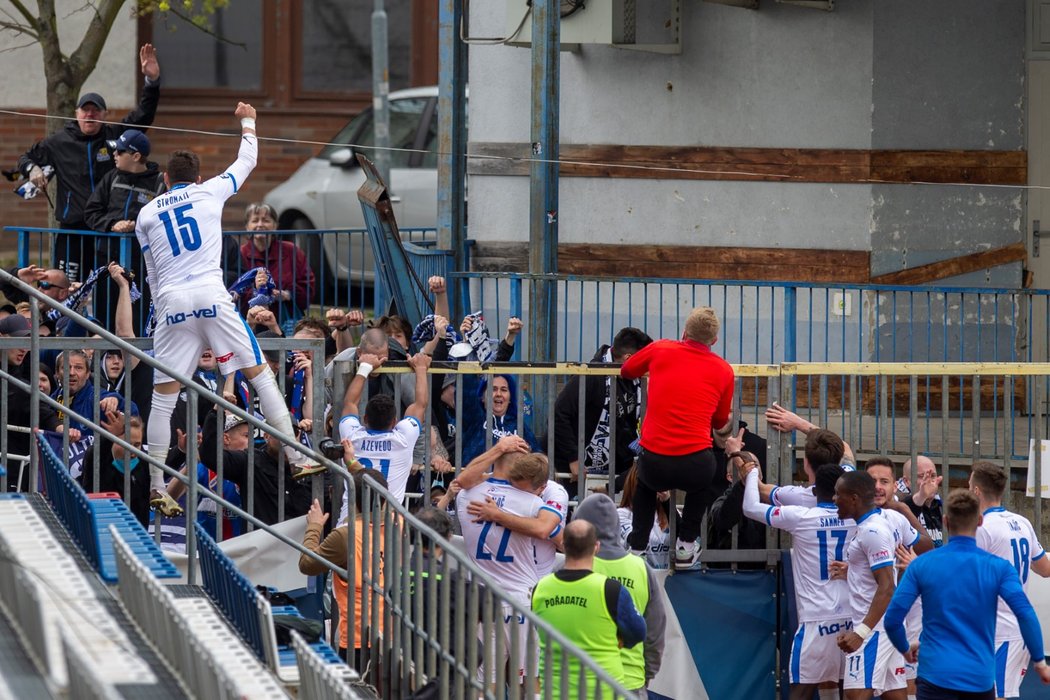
(20, 46)
(24, 11)
(20, 29)
(82, 61)
(206, 29)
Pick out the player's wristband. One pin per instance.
(862, 630)
(364, 369)
(247, 123)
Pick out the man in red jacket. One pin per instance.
(690, 393)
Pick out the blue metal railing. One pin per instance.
(340, 261)
(773, 322)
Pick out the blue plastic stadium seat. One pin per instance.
(88, 520)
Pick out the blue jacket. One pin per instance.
(84, 403)
(960, 587)
(474, 425)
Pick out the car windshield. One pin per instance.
(405, 115)
(346, 134)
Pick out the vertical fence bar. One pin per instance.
(1008, 445)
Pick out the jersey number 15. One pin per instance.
(189, 232)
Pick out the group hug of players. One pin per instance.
(861, 614)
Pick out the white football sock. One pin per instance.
(158, 434)
(275, 410)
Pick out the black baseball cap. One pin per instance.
(15, 326)
(92, 97)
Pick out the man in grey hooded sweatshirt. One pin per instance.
(640, 663)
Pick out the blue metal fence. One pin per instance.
(772, 322)
(340, 269)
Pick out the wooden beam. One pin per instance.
(688, 262)
(760, 164)
(1016, 252)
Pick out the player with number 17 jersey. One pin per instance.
(819, 537)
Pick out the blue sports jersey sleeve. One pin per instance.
(629, 623)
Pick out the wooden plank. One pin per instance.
(760, 164)
(1016, 252)
(688, 262)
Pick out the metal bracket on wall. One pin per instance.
(1036, 234)
(746, 4)
(826, 5)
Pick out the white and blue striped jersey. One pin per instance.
(387, 451)
(556, 499)
(873, 547)
(1011, 537)
(507, 556)
(903, 532)
(819, 538)
(180, 232)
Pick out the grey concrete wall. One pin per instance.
(781, 76)
(115, 74)
(894, 74)
(947, 74)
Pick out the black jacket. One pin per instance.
(18, 414)
(120, 195)
(81, 161)
(297, 494)
(567, 411)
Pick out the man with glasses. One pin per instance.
(80, 155)
(113, 207)
(54, 283)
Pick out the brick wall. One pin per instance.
(277, 161)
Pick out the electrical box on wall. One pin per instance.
(642, 25)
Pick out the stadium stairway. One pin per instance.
(91, 608)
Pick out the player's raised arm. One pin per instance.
(248, 154)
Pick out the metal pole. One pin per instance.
(452, 146)
(381, 93)
(543, 190)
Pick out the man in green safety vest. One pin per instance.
(640, 663)
(595, 612)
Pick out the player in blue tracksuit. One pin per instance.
(960, 587)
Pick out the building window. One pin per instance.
(336, 46)
(192, 58)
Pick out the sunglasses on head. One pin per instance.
(49, 285)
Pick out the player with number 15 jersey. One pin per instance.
(180, 233)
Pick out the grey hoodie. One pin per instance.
(600, 511)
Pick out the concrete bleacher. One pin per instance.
(252, 616)
(66, 631)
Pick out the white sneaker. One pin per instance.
(687, 555)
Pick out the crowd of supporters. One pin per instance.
(464, 452)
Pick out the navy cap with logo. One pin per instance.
(92, 98)
(133, 141)
(15, 326)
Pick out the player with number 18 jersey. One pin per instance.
(1011, 537)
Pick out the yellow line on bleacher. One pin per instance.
(788, 369)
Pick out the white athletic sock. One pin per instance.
(828, 693)
(158, 434)
(275, 410)
(912, 697)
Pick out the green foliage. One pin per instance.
(199, 13)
